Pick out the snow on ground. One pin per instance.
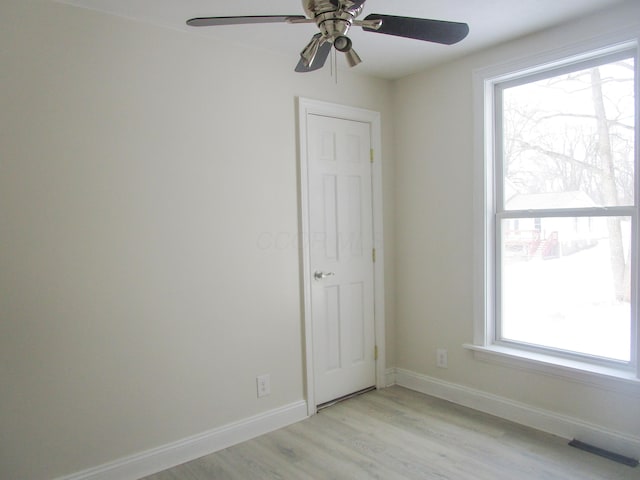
(567, 303)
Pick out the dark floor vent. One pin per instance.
(632, 462)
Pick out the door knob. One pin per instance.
(320, 275)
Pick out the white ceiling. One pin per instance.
(490, 22)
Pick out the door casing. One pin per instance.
(308, 107)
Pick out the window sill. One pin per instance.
(594, 375)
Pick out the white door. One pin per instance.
(341, 256)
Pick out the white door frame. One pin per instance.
(314, 107)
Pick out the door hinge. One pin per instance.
(375, 352)
(372, 155)
(373, 255)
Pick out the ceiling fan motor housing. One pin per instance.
(333, 17)
(315, 7)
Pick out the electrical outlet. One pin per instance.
(263, 383)
(441, 358)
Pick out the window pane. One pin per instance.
(565, 284)
(568, 140)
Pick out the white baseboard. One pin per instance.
(390, 377)
(146, 463)
(153, 461)
(523, 414)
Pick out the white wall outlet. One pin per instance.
(441, 358)
(263, 383)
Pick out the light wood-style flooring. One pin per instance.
(400, 434)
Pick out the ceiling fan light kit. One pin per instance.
(334, 18)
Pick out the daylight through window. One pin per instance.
(565, 210)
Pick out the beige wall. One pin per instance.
(435, 236)
(139, 169)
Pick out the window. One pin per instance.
(559, 266)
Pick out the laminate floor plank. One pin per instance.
(399, 434)
(465, 449)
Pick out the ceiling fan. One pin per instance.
(334, 18)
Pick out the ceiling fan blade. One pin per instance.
(318, 61)
(216, 21)
(437, 31)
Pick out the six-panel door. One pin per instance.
(341, 246)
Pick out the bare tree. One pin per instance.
(610, 192)
(587, 148)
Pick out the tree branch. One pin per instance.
(559, 156)
(580, 115)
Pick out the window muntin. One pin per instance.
(566, 210)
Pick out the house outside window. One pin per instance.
(557, 269)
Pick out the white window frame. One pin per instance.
(485, 345)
